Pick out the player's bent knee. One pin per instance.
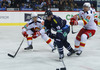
(42, 31)
(84, 37)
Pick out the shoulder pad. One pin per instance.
(39, 20)
(30, 22)
(39, 17)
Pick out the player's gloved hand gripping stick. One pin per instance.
(73, 22)
(72, 30)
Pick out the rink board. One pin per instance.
(20, 18)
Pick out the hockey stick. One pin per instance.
(13, 56)
(64, 68)
(72, 30)
(64, 65)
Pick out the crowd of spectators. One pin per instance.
(67, 5)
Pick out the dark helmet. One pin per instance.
(48, 13)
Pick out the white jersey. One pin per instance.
(36, 26)
(87, 20)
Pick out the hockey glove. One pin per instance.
(96, 21)
(73, 22)
(24, 34)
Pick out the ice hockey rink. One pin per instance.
(41, 57)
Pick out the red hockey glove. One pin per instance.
(36, 34)
(24, 34)
(75, 17)
(96, 21)
(72, 19)
(73, 22)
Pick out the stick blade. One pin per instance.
(74, 32)
(63, 68)
(10, 55)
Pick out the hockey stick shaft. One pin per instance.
(72, 30)
(63, 63)
(17, 49)
(62, 60)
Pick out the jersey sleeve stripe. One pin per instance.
(84, 21)
(95, 16)
(25, 27)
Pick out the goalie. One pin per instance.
(33, 29)
(88, 20)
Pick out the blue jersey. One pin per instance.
(55, 24)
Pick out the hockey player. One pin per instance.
(33, 29)
(89, 26)
(59, 25)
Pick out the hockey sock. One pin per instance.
(77, 44)
(29, 40)
(82, 45)
(83, 41)
(48, 40)
(60, 46)
(60, 50)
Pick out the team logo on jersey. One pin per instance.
(37, 29)
(88, 17)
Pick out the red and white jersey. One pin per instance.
(87, 20)
(36, 26)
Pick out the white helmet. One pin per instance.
(34, 14)
(87, 4)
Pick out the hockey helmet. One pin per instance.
(34, 14)
(47, 13)
(87, 4)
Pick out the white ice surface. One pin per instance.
(41, 58)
